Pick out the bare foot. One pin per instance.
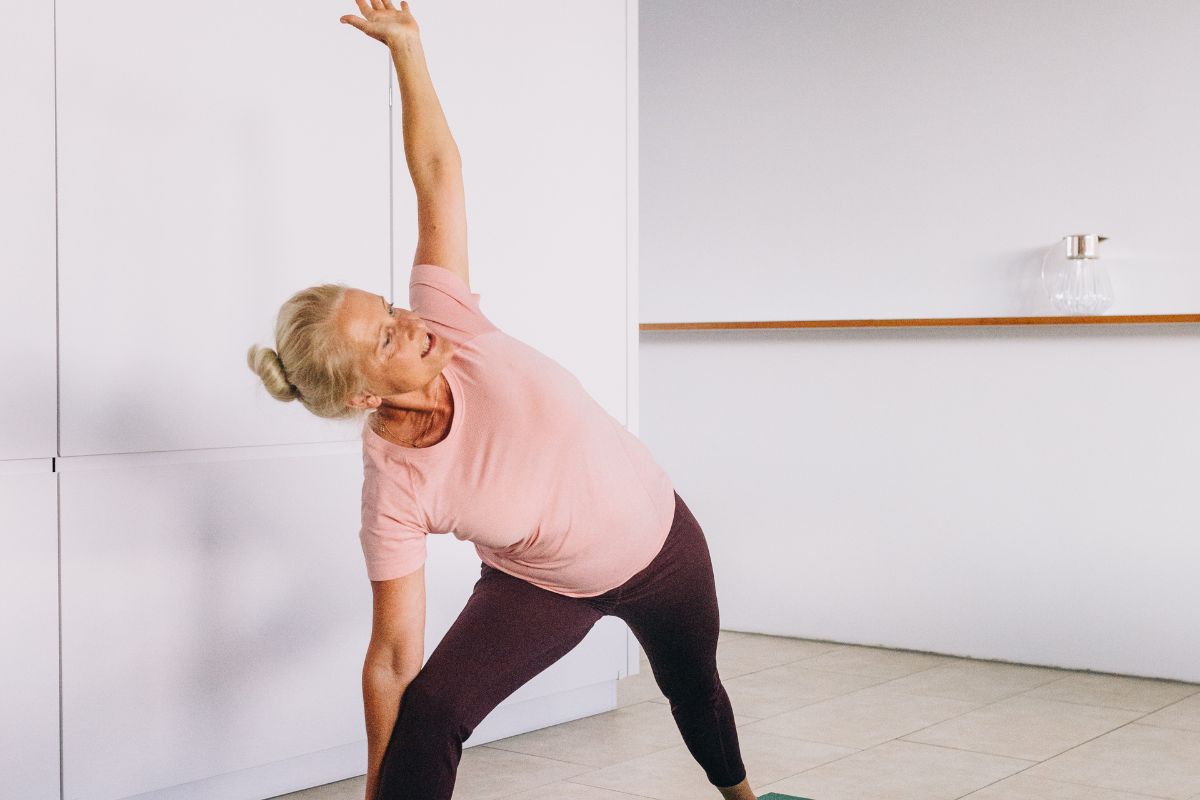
(740, 792)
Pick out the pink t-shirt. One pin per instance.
(548, 485)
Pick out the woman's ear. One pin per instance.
(364, 401)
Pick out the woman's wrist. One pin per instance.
(403, 42)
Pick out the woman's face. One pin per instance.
(391, 342)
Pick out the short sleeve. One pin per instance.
(439, 296)
(392, 534)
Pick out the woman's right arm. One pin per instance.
(428, 143)
(394, 658)
(383, 689)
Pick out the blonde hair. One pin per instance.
(314, 364)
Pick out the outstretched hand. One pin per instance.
(383, 22)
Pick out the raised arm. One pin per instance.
(429, 148)
(427, 138)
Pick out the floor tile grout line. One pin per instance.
(884, 682)
(568, 780)
(1021, 694)
(1143, 712)
(1033, 762)
(1172, 703)
(1067, 783)
(1057, 755)
(607, 789)
(819, 699)
(493, 746)
(832, 671)
(1136, 795)
(823, 763)
(1167, 728)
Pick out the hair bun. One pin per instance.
(266, 363)
(283, 374)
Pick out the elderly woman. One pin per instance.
(468, 430)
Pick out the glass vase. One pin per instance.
(1075, 281)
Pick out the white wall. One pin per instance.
(1026, 495)
(812, 160)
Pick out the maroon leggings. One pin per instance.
(510, 630)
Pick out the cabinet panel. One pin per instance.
(29, 633)
(215, 617)
(213, 159)
(28, 416)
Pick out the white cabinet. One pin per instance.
(28, 634)
(214, 618)
(212, 160)
(27, 316)
(29, 751)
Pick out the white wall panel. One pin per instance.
(28, 634)
(213, 159)
(28, 414)
(1020, 495)
(216, 615)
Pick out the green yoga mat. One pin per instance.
(778, 796)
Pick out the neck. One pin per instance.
(426, 400)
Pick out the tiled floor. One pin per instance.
(841, 722)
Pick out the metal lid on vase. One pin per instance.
(1084, 245)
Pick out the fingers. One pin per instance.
(369, 9)
(361, 24)
(379, 5)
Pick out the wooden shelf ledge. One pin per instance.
(934, 322)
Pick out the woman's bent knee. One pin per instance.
(427, 709)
